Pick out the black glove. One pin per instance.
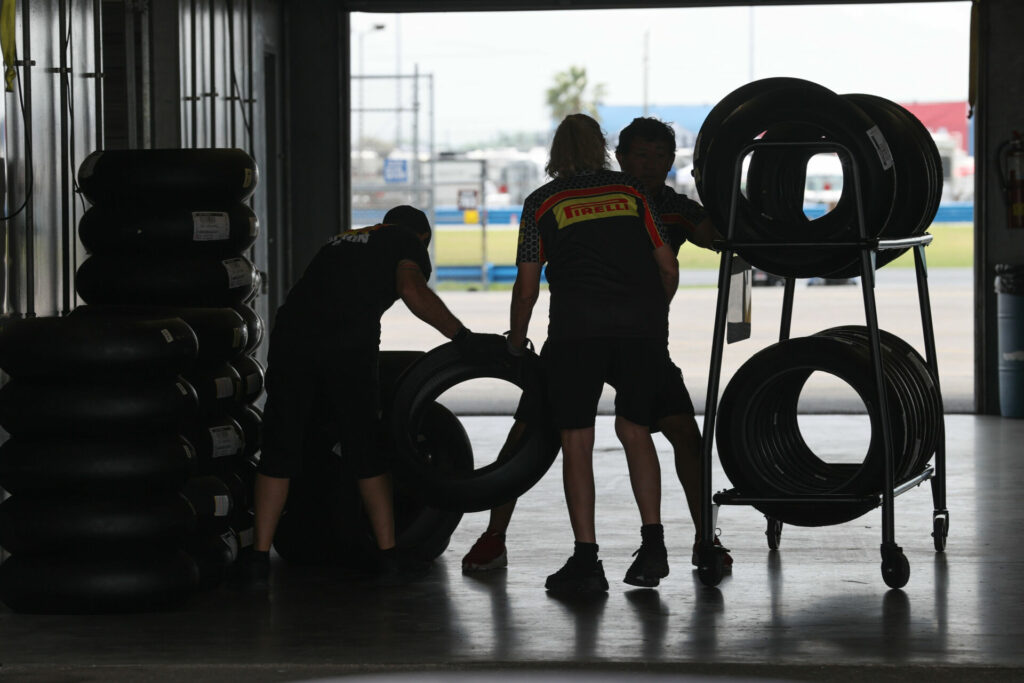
(473, 345)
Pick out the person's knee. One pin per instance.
(630, 432)
(681, 431)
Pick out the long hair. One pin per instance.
(578, 146)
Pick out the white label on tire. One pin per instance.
(225, 441)
(225, 388)
(239, 272)
(254, 226)
(247, 180)
(231, 541)
(881, 147)
(221, 505)
(210, 226)
(181, 388)
(167, 335)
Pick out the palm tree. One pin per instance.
(569, 94)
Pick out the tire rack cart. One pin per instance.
(895, 567)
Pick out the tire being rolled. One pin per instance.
(496, 483)
(180, 177)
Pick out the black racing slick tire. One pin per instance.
(496, 483)
(168, 177)
(115, 582)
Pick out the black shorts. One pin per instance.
(578, 369)
(672, 398)
(306, 384)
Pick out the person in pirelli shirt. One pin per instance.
(611, 274)
(646, 150)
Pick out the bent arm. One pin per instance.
(524, 295)
(412, 288)
(668, 269)
(704, 234)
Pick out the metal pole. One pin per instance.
(145, 77)
(483, 224)
(194, 68)
(65, 163)
(416, 126)
(647, 42)
(131, 89)
(251, 99)
(433, 179)
(398, 81)
(232, 96)
(212, 93)
(97, 46)
(30, 256)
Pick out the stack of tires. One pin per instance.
(167, 235)
(95, 464)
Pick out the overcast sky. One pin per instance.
(490, 69)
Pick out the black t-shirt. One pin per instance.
(596, 232)
(679, 214)
(349, 285)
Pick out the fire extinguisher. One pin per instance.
(1011, 173)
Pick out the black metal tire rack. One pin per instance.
(895, 566)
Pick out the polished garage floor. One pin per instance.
(816, 609)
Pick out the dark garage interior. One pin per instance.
(273, 78)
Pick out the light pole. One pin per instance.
(362, 104)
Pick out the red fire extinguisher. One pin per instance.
(1011, 172)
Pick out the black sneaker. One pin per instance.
(251, 570)
(577, 578)
(649, 567)
(397, 569)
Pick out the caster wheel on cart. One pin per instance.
(895, 569)
(940, 530)
(773, 532)
(712, 566)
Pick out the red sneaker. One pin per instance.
(487, 553)
(726, 557)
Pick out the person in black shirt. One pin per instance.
(324, 346)
(646, 151)
(611, 276)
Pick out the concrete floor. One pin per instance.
(816, 609)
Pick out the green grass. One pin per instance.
(952, 247)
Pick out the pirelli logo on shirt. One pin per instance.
(576, 209)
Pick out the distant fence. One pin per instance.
(949, 212)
